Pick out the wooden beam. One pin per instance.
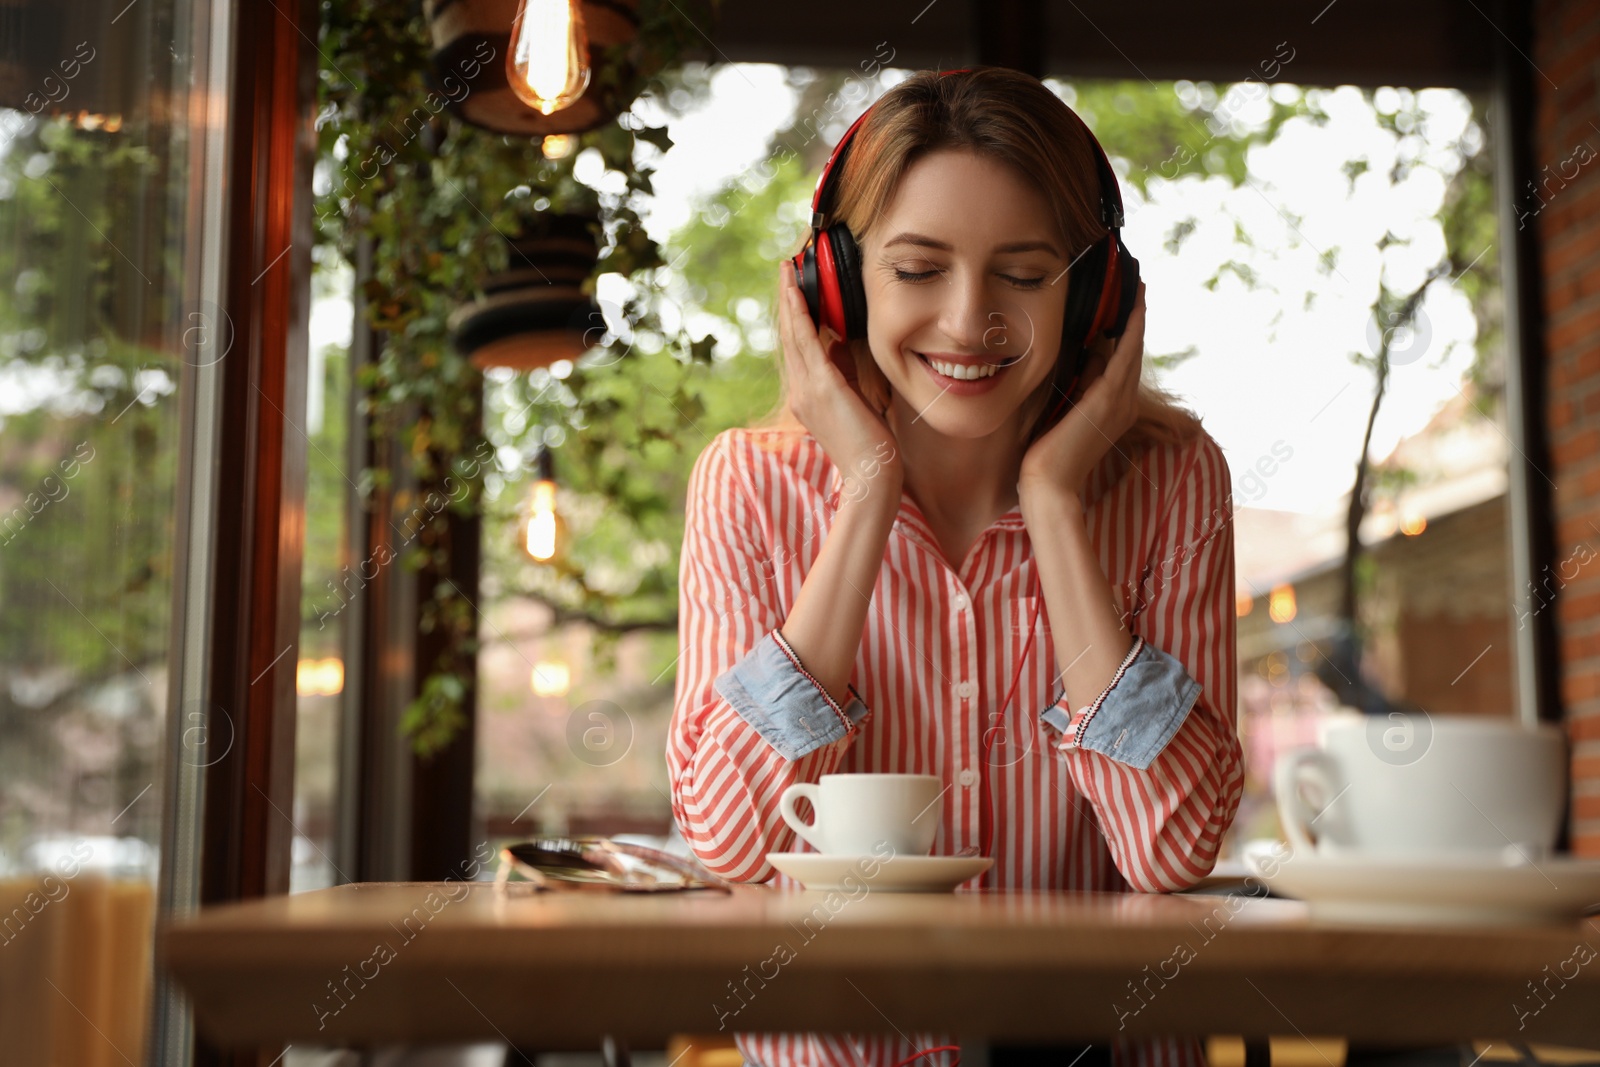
(1363, 42)
(262, 455)
(261, 458)
(1531, 509)
(1011, 33)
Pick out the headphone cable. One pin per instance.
(930, 1051)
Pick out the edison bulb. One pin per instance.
(541, 540)
(548, 64)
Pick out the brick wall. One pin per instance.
(1566, 141)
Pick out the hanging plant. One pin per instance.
(437, 199)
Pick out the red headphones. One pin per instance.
(1102, 287)
(1103, 282)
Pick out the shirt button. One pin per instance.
(965, 690)
(960, 602)
(968, 777)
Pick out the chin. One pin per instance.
(965, 422)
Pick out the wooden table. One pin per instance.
(374, 963)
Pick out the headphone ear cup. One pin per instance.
(805, 270)
(829, 303)
(852, 293)
(1085, 282)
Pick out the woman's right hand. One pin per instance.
(855, 437)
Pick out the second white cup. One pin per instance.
(856, 814)
(1419, 784)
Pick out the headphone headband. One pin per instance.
(836, 159)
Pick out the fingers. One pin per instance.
(810, 351)
(1086, 378)
(1135, 327)
(1136, 316)
(870, 380)
(1129, 351)
(1095, 363)
(841, 354)
(1130, 354)
(787, 291)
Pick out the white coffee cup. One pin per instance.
(1415, 784)
(857, 814)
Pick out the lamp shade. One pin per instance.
(535, 312)
(470, 42)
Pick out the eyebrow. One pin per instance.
(923, 241)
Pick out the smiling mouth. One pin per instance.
(967, 371)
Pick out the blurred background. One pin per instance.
(385, 487)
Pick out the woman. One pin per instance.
(861, 574)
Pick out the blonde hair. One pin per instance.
(1009, 117)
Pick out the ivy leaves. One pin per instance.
(428, 202)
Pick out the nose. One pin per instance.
(965, 311)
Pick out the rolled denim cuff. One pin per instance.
(775, 694)
(1138, 713)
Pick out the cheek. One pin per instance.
(887, 353)
(1037, 331)
(890, 325)
(890, 308)
(1040, 377)
(1046, 319)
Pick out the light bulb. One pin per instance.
(550, 678)
(1281, 605)
(542, 521)
(558, 145)
(548, 64)
(319, 677)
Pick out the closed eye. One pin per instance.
(918, 276)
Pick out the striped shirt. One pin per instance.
(1074, 806)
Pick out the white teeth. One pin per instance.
(964, 373)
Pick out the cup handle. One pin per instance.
(1293, 770)
(786, 808)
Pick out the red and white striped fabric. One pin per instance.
(941, 644)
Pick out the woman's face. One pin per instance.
(967, 266)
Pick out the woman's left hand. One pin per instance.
(1105, 405)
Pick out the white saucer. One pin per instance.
(1447, 891)
(899, 874)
